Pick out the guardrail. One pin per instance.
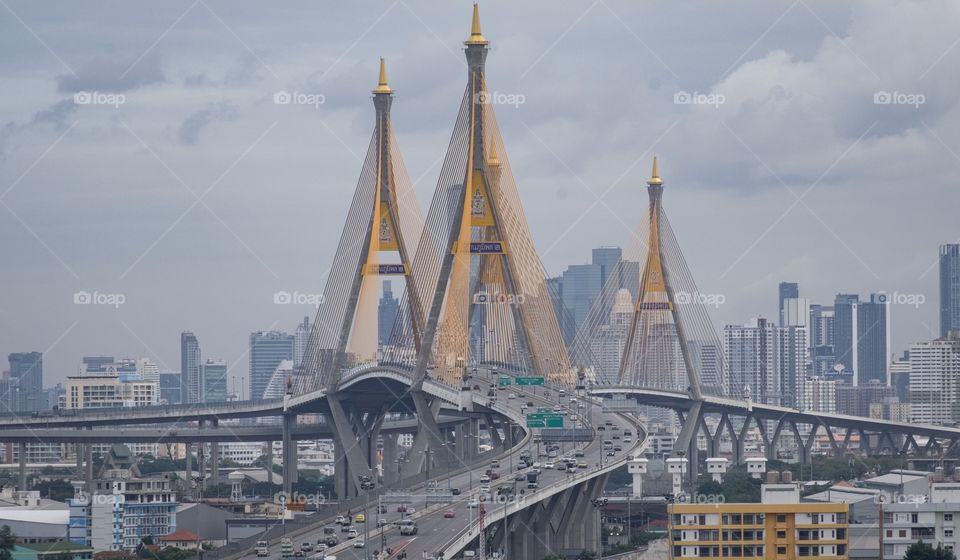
(459, 542)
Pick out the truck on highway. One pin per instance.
(262, 549)
(532, 476)
(286, 548)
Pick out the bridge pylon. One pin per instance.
(476, 257)
(378, 241)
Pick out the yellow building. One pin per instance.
(780, 531)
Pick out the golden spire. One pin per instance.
(476, 37)
(492, 154)
(382, 87)
(655, 175)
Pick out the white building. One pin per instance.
(766, 360)
(934, 520)
(818, 395)
(935, 381)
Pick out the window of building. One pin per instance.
(781, 534)
(948, 517)
(948, 532)
(781, 550)
(781, 519)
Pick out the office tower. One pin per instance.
(27, 369)
(387, 311)
(859, 400)
(900, 377)
(190, 368)
(949, 288)
(861, 335)
(267, 350)
(581, 285)
(170, 388)
(935, 380)
(606, 258)
(751, 357)
(9, 393)
(300, 341)
(795, 313)
(787, 290)
(214, 381)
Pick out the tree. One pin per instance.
(924, 551)
(7, 541)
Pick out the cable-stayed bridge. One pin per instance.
(475, 308)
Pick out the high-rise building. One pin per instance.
(935, 380)
(27, 369)
(795, 313)
(190, 362)
(900, 377)
(949, 288)
(147, 370)
(861, 334)
(581, 285)
(214, 381)
(608, 342)
(786, 290)
(751, 356)
(818, 395)
(267, 350)
(822, 354)
(170, 388)
(793, 362)
(606, 258)
(387, 311)
(300, 340)
(857, 400)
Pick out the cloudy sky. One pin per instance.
(142, 153)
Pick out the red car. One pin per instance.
(402, 508)
(449, 514)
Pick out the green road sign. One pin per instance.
(544, 420)
(503, 381)
(530, 381)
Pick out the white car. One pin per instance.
(359, 543)
(548, 465)
(352, 534)
(473, 503)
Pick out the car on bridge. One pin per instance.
(360, 518)
(359, 543)
(449, 514)
(407, 527)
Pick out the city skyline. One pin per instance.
(227, 106)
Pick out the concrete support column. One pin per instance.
(390, 456)
(214, 463)
(289, 453)
(88, 452)
(270, 462)
(342, 480)
(188, 448)
(22, 471)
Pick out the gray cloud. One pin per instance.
(113, 75)
(193, 125)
